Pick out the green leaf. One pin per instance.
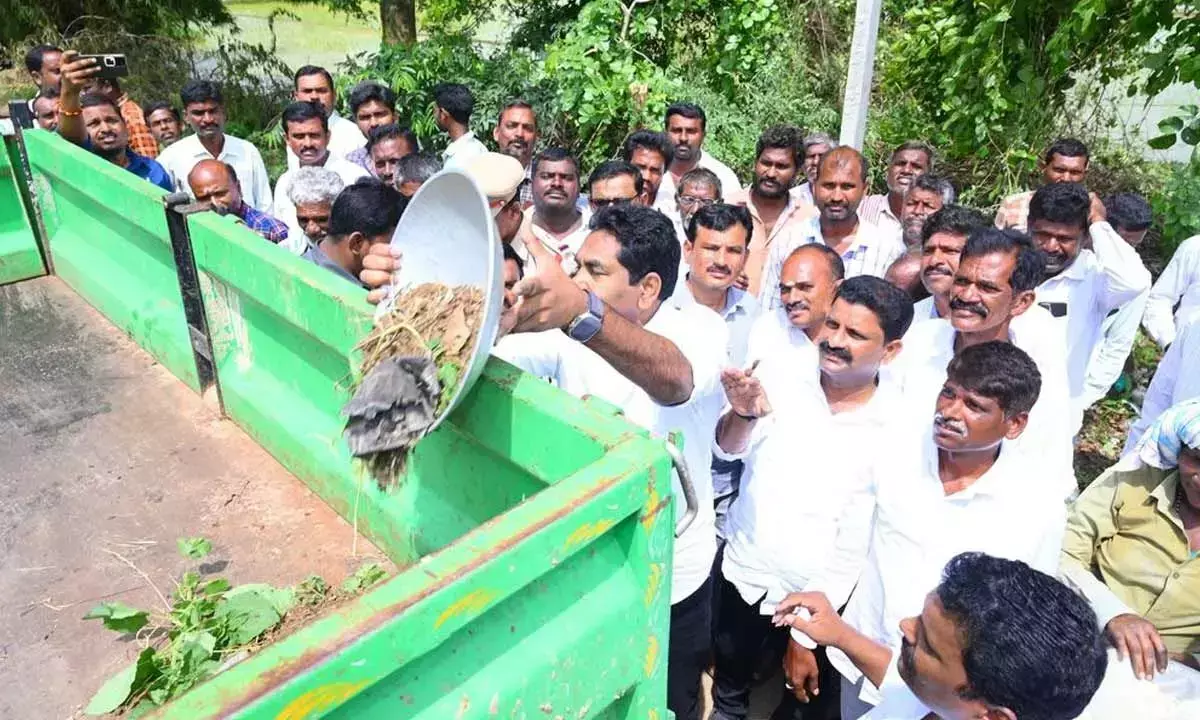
(1190, 135)
(364, 577)
(117, 689)
(119, 617)
(1171, 124)
(194, 547)
(249, 611)
(1162, 142)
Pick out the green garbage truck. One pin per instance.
(166, 374)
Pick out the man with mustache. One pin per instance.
(686, 125)
(934, 490)
(314, 84)
(992, 298)
(372, 105)
(204, 111)
(926, 195)
(1066, 160)
(943, 236)
(776, 213)
(783, 525)
(306, 131)
(516, 134)
(649, 152)
(215, 184)
(386, 147)
(909, 160)
(45, 108)
(995, 639)
(815, 147)
(863, 247)
(164, 122)
(697, 188)
(554, 220)
(95, 122)
(1081, 286)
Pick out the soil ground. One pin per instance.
(103, 453)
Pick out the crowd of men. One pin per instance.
(879, 394)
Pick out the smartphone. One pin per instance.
(111, 65)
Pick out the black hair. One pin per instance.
(1067, 147)
(367, 91)
(891, 305)
(418, 166)
(720, 217)
(510, 254)
(368, 206)
(516, 103)
(915, 145)
(700, 176)
(303, 111)
(781, 137)
(838, 160)
(199, 91)
(151, 108)
(648, 140)
(306, 70)
(1000, 371)
(391, 131)
(88, 100)
(648, 243)
(1030, 643)
(553, 154)
(936, 184)
(1061, 203)
(616, 168)
(455, 99)
(955, 219)
(37, 55)
(1129, 211)
(50, 92)
(692, 111)
(837, 266)
(1030, 266)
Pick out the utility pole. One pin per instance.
(859, 73)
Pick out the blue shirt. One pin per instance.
(316, 256)
(142, 166)
(263, 224)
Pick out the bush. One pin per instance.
(1177, 207)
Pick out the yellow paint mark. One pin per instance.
(587, 532)
(650, 511)
(651, 655)
(653, 582)
(652, 715)
(318, 700)
(473, 601)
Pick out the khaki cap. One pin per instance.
(498, 176)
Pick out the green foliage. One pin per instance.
(119, 617)
(1177, 209)
(194, 548)
(363, 578)
(67, 18)
(1183, 127)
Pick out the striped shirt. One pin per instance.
(875, 209)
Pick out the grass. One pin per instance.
(315, 36)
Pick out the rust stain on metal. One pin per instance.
(653, 581)
(587, 532)
(473, 601)
(654, 505)
(243, 696)
(651, 655)
(316, 701)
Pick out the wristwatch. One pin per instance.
(585, 326)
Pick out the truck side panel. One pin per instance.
(20, 258)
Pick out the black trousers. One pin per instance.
(747, 647)
(690, 651)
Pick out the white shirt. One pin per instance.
(284, 209)
(872, 252)
(181, 156)
(920, 372)
(344, 138)
(876, 210)
(917, 529)
(1108, 360)
(665, 202)
(1179, 285)
(784, 353)
(460, 152)
(802, 193)
(897, 700)
(799, 468)
(566, 247)
(739, 314)
(1097, 282)
(1177, 378)
(924, 310)
(579, 371)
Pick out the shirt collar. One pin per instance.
(456, 145)
(318, 256)
(1078, 269)
(1164, 496)
(993, 482)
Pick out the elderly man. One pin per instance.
(649, 152)
(453, 106)
(45, 108)
(1082, 286)
(907, 162)
(204, 111)
(554, 220)
(863, 247)
(926, 194)
(413, 170)
(1065, 161)
(615, 182)
(995, 639)
(314, 84)
(943, 236)
(372, 105)
(164, 122)
(95, 122)
(697, 188)
(776, 213)
(686, 125)
(516, 135)
(783, 526)
(386, 147)
(306, 131)
(364, 214)
(215, 183)
(815, 146)
(313, 190)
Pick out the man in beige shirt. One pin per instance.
(909, 160)
(1066, 160)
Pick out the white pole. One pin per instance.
(858, 74)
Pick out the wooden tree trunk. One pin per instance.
(399, 21)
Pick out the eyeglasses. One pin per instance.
(693, 200)
(610, 202)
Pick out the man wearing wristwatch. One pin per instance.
(800, 462)
(610, 332)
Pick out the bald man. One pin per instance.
(905, 274)
(864, 248)
(215, 183)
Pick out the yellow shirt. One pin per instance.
(1124, 532)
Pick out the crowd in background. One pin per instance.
(879, 394)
